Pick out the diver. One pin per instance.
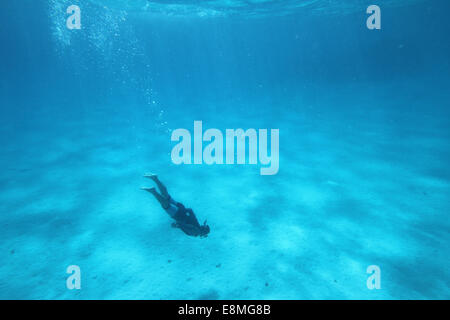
(185, 219)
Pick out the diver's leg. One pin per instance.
(162, 200)
(162, 188)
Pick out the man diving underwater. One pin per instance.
(185, 219)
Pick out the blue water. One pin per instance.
(364, 152)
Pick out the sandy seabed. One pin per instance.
(364, 187)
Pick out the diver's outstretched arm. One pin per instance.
(162, 188)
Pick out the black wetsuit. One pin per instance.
(187, 221)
